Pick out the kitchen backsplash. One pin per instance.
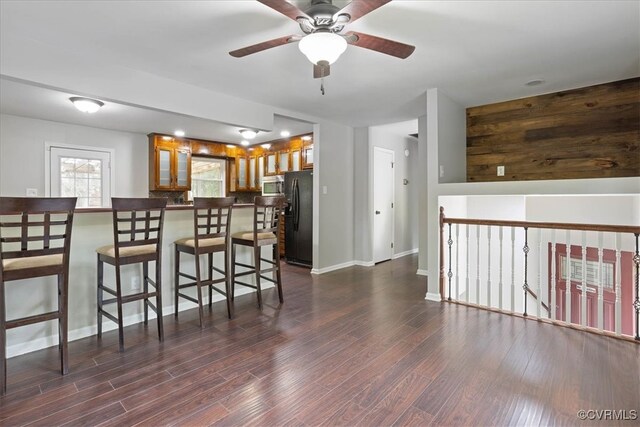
(179, 198)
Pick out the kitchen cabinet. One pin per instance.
(242, 171)
(307, 157)
(249, 173)
(169, 164)
(296, 160)
(271, 164)
(283, 161)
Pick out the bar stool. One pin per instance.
(266, 215)
(30, 231)
(211, 220)
(137, 239)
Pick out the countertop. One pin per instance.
(169, 208)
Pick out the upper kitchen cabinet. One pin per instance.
(169, 164)
(307, 157)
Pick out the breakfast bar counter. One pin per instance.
(93, 228)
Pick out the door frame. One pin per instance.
(373, 201)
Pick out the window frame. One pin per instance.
(224, 174)
(108, 185)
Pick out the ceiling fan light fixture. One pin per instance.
(86, 105)
(322, 46)
(248, 133)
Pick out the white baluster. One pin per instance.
(618, 287)
(457, 263)
(488, 266)
(583, 299)
(478, 264)
(567, 286)
(513, 270)
(538, 286)
(467, 282)
(552, 306)
(600, 284)
(500, 270)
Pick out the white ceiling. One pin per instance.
(475, 51)
(26, 100)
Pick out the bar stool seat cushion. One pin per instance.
(263, 238)
(110, 251)
(31, 262)
(191, 242)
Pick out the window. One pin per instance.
(207, 177)
(592, 271)
(82, 173)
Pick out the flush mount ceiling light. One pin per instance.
(244, 143)
(322, 46)
(248, 133)
(285, 133)
(306, 138)
(231, 146)
(86, 105)
(179, 133)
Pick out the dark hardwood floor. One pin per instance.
(359, 346)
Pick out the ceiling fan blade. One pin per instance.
(321, 70)
(358, 8)
(285, 8)
(389, 47)
(239, 53)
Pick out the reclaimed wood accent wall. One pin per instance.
(592, 132)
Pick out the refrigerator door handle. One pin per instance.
(296, 214)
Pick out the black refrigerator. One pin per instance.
(298, 218)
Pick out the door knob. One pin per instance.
(377, 212)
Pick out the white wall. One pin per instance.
(363, 249)
(22, 154)
(406, 200)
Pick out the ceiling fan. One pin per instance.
(323, 42)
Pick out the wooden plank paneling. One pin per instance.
(591, 132)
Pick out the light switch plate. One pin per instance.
(32, 192)
(500, 170)
(324, 189)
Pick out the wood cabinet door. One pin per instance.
(182, 169)
(271, 167)
(242, 172)
(307, 157)
(164, 168)
(253, 172)
(284, 163)
(296, 160)
(261, 160)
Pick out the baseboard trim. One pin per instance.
(332, 267)
(405, 253)
(87, 331)
(433, 297)
(364, 263)
(422, 272)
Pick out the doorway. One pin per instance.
(383, 201)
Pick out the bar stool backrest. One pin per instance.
(266, 214)
(137, 222)
(35, 226)
(212, 218)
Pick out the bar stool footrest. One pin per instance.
(245, 284)
(190, 298)
(108, 290)
(37, 318)
(244, 265)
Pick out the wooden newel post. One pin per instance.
(441, 253)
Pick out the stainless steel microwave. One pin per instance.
(273, 185)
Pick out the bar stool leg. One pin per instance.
(119, 302)
(3, 343)
(159, 299)
(176, 277)
(233, 271)
(145, 289)
(199, 288)
(276, 259)
(210, 278)
(256, 256)
(227, 283)
(63, 285)
(100, 269)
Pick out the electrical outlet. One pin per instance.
(135, 284)
(32, 192)
(500, 170)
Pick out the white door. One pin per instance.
(383, 218)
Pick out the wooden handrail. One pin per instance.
(547, 225)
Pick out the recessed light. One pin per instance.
(535, 82)
(250, 149)
(86, 105)
(244, 143)
(179, 133)
(167, 138)
(231, 146)
(285, 133)
(248, 133)
(306, 138)
(266, 146)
